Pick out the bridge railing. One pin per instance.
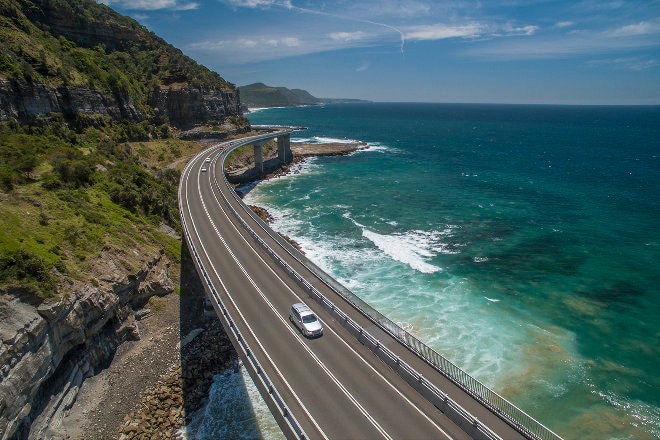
(287, 421)
(507, 411)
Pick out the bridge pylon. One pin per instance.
(284, 148)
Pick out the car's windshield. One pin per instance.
(308, 318)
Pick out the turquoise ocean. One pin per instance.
(521, 242)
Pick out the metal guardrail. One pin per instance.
(453, 410)
(274, 400)
(507, 411)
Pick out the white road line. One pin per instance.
(345, 390)
(248, 326)
(327, 371)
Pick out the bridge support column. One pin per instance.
(259, 158)
(284, 148)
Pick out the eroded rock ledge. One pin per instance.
(47, 350)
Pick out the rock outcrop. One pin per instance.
(26, 102)
(47, 350)
(163, 410)
(185, 108)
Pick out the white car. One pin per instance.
(303, 318)
(208, 159)
(203, 169)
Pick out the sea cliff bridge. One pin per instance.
(365, 377)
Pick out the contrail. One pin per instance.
(403, 37)
(289, 5)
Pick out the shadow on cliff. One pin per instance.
(206, 351)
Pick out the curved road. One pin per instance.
(334, 385)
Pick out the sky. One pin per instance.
(458, 51)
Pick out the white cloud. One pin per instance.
(469, 30)
(249, 44)
(347, 36)
(391, 8)
(641, 28)
(244, 50)
(524, 30)
(252, 4)
(627, 63)
(152, 5)
(364, 66)
(548, 46)
(564, 24)
(291, 41)
(343, 24)
(443, 31)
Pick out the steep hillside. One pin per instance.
(82, 60)
(92, 108)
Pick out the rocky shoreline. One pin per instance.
(301, 152)
(155, 383)
(165, 408)
(304, 151)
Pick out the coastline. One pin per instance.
(304, 151)
(153, 384)
(301, 152)
(240, 172)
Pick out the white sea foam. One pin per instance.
(257, 109)
(323, 140)
(370, 146)
(378, 147)
(340, 206)
(306, 166)
(412, 248)
(295, 140)
(438, 308)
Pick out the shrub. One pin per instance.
(72, 167)
(21, 268)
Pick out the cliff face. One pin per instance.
(188, 107)
(47, 350)
(86, 24)
(25, 102)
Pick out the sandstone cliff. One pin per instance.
(26, 102)
(48, 349)
(185, 108)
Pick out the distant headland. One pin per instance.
(259, 95)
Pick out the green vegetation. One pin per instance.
(65, 199)
(244, 156)
(75, 186)
(82, 42)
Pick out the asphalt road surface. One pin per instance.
(335, 387)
